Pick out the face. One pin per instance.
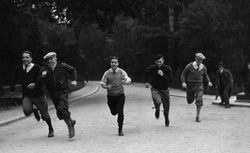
(114, 63)
(159, 62)
(26, 58)
(51, 61)
(198, 60)
(220, 68)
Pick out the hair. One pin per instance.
(220, 64)
(113, 57)
(27, 52)
(158, 56)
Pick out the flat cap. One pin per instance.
(200, 56)
(50, 54)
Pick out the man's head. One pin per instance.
(199, 57)
(159, 60)
(26, 57)
(50, 59)
(114, 62)
(220, 66)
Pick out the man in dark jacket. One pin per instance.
(224, 84)
(55, 75)
(159, 76)
(27, 74)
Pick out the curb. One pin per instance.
(51, 107)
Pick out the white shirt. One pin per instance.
(29, 67)
(195, 65)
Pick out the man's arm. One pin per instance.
(168, 75)
(146, 76)
(73, 73)
(104, 81)
(207, 77)
(125, 78)
(184, 74)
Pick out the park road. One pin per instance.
(221, 130)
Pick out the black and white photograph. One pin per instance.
(125, 76)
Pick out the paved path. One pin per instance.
(221, 130)
(12, 114)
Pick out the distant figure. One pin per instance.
(247, 80)
(27, 74)
(192, 78)
(113, 80)
(224, 84)
(159, 76)
(55, 75)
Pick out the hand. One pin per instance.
(44, 73)
(184, 85)
(147, 85)
(109, 87)
(160, 72)
(31, 86)
(74, 83)
(210, 84)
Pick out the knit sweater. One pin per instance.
(192, 75)
(25, 78)
(115, 80)
(157, 81)
(57, 79)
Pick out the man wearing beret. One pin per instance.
(224, 84)
(55, 76)
(27, 74)
(192, 78)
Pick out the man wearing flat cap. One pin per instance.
(55, 76)
(192, 78)
(224, 84)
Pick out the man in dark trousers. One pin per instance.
(192, 78)
(27, 74)
(55, 76)
(159, 76)
(113, 80)
(224, 84)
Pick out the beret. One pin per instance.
(200, 56)
(50, 54)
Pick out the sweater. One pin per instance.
(192, 75)
(57, 79)
(115, 80)
(25, 78)
(157, 81)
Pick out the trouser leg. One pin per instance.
(60, 101)
(120, 110)
(27, 106)
(166, 104)
(112, 104)
(199, 101)
(227, 96)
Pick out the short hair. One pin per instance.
(158, 56)
(220, 64)
(27, 52)
(113, 57)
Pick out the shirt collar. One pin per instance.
(28, 67)
(116, 70)
(195, 65)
